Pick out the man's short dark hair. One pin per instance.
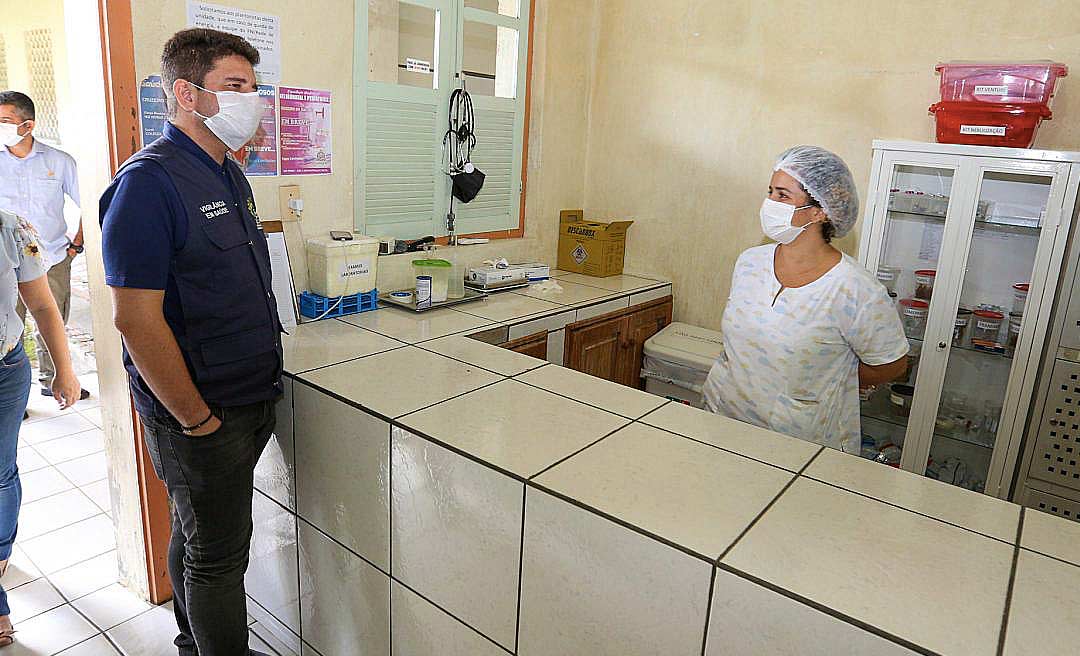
(20, 101)
(191, 54)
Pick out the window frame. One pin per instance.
(457, 14)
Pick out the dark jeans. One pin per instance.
(210, 481)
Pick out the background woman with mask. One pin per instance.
(805, 325)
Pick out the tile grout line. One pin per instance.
(348, 360)
(768, 507)
(1012, 584)
(582, 449)
(826, 610)
(837, 486)
(708, 611)
(621, 522)
(521, 572)
(449, 614)
(452, 398)
(584, 403)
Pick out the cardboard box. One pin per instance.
(591, 247)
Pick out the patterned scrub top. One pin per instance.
(793, 366)
(20, 261)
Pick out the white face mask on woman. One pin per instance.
(237, 119)
(776, 221)
(9, 134)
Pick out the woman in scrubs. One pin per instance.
(805, 325)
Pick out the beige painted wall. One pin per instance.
(46, 14)
(691, 104)
(317, 52)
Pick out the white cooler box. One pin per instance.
(677, 362)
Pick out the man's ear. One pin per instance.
(184, 94)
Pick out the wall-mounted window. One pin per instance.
(3, 65)
(39, 63)
(410, 56)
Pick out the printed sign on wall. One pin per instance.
(152, 109)
(261, 30)
(305, 131)
(259, 156)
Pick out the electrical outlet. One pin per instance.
(285, 194)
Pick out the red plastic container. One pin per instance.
(988, 124)
(1019, 83)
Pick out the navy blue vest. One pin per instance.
(228, 328)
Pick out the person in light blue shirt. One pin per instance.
(35, 181)
(22, 275)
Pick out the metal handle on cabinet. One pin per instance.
(941, 346)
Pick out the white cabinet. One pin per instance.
(981, 226)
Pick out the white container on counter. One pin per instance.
(677, 362)
(337, 268)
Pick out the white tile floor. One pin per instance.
(62, 581)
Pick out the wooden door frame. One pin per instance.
(122, 116)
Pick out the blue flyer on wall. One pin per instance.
(152, 109)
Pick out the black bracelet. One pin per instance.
(188, 429)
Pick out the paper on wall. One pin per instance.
(281, 279)
(305, 132)
(261, 30)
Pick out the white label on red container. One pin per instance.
(991, 90)
(988, 130)
(988, 325)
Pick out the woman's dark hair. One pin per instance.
(828, 230)
(191, 54)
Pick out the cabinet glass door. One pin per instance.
(1005, 252)
(918, 201)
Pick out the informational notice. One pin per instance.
(281, 279)
(261, 30)
(304, 131)
(152, 109)
(259, 156)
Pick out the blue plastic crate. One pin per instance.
(313, 305)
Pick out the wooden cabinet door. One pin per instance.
(644, 322)
(531, 345)
(598, 348)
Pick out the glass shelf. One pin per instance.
(972, 349)
(1019, 224)
(886, 417)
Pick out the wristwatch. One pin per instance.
(78, 249)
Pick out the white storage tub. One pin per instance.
(338, 268)
(677, 362)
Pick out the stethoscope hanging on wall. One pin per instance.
(460, 140)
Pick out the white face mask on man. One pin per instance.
(237, 119)
(9, 134)
(776, 221)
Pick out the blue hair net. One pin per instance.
(828, 181)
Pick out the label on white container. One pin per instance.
(353, 269)
(991, 90)
(988, 325)
(985, 130)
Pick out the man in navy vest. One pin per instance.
(190, 274)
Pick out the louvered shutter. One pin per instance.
(499, 136)
(401, 188)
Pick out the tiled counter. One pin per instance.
(427, 494)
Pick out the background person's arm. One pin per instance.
(39, 301)
(871, 375)
(150, 342)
